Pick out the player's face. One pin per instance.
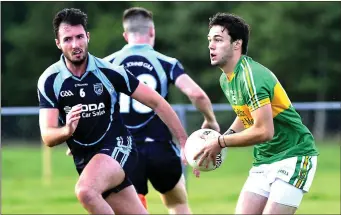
(73, 41)
(219, 45)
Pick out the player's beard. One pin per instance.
(79, 61)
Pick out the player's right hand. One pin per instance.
(211, 124)
(72, 118)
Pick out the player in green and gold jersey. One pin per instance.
(285, 156)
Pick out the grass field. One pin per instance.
(23, 190)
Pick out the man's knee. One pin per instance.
(85, 195)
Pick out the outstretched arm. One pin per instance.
(199, 99)
(152, 99)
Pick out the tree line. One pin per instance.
(299, 41)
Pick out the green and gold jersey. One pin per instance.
(252, 86)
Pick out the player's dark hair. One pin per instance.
(71, 16)
(237, 28)
(136, 12)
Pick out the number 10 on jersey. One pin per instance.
(138, 107)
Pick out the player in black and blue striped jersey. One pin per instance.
(79, 105)
(159, 157)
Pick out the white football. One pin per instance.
(195, 143)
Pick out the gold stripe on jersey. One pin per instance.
(243, 113)
(261, 103)
(280, 101)
(264, 102)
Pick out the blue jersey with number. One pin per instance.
(158, 72)
(96, 90)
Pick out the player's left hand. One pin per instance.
(196, 172)
(68, 152)
(182, 143)
(211, 124)
(208, 152)
(183, 157)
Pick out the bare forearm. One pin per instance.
(155, 101)
(248, 137)
(203, 104)
(169, 117)
(237, 125)
(55, 136)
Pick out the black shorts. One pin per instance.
(122, 149)
(160, 163)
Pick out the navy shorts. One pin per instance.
(160, 163)
(123, 150)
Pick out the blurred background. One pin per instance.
(299, 41)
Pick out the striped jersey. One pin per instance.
(252, 86)
(96, 90)
(156, 70)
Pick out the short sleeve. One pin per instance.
(257, 87)
(176, 71)
(124, 81)
(46, 96)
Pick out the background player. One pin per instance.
(158, 156)
(285, 156)
(80, 91)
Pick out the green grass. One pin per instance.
(23, 190)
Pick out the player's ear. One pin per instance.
(151, 31)
(125, 36)
(237, 44)
(58, 43)
(88, 36)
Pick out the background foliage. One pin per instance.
(298, 41)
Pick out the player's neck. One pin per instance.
(76, 70)
(228, 68)
(139, 40)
